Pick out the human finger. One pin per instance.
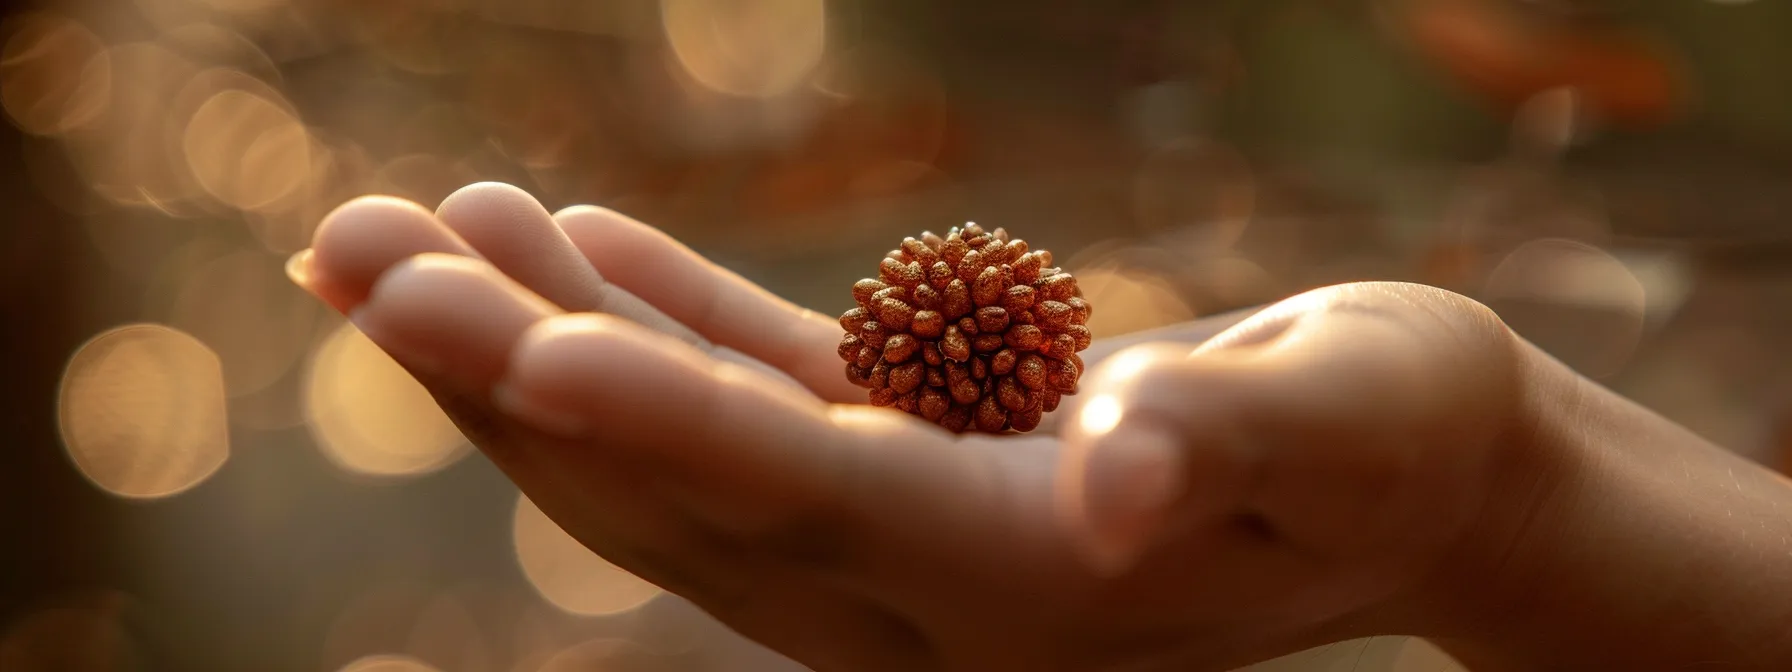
(717, 303)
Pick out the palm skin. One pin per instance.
(1329, 467)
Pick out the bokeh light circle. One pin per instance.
(1574, 300)
(143, 413)
(568, 574)
(754, 49)
(388, 663)
(370, 417)
(54, 74)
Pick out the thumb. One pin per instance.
(1310, 422)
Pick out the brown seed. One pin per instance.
(958, 300)
(1078, 361)
(868, 357)
(928, 298)
(1061, 346)
(889, 270)
(1049, 400)
(1025, 337)
(863, 289)
(1017, 247)
(928, 324)
(1010, 393)
(1045, 258)
(1054, 315)
(972, 266)
(991, 284)
(940, 274)
(990, 416)
(898, 255)
(1082, 309)
(968, 325)
(992, 319)
(920, 252)
(958, 381)
(956, 418)
(857, 375)
(1003, 362)
(1026, 268)
(932, 240)
(1064, 376)
(907, 377)
(900, 348)
(979, 369)
(849, 347)
(1081, 335)
(954, 346)
(930, 353)
(1026, 420)
(880, 375)
(972, 229)
(995, 253)
(874, 334)
(851, 320)
(898, 293)
(1000, 234)
(1018, 299)
(1023, 317)
(934, 377)
(894, 314)
(1057, 287)
(933, 403)
(908, 403)
(883, 397)
(1031, 371)
(954, 249)
(987, 342)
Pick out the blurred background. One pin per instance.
(203, 469)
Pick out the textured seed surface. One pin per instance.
(972, 330)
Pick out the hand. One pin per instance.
(1333, 466)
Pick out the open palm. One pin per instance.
(1308, 475)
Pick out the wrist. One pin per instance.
(1617, 540)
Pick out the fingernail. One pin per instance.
(1130, 480)
(366, 320)
(298, 269)
(542, 416)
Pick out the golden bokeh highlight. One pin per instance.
(244, 308)
(370, 417)
(388, 663)
(129, 154)
(755, 49)
(247, 151)
(607, 655)
(54, 74)
(1576, 301)
(568, 574)
(1129, 300)
(142, 411)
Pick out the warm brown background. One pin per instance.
(1615, 177)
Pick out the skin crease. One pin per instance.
(1375, 458)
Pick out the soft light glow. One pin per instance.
(369, 415)
(758, 49)
(54, 75)
(246, 150)
(143, 412)
(1129, 300)
(1101, 414)
(569, 575)
(388, 663)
